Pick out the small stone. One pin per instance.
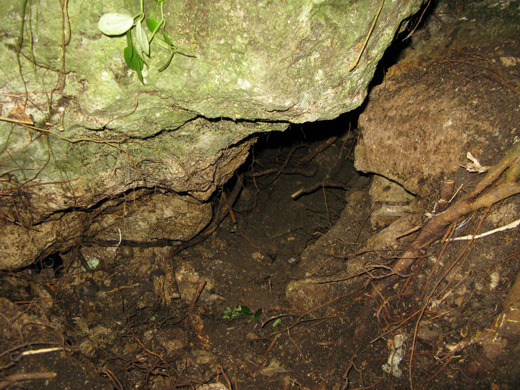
(212, 386)
(89, 289)
(293, 260)
(156, 274)
(172, 339)
(125, 252)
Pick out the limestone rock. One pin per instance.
(153, 217)
(389, 201)
(78, 129)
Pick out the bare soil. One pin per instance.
(114, 323)
(114, 328)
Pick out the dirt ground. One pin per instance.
(119, 325)
(123, 325)
(217, 315)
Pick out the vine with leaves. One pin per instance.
(45, 128)
(136, 54)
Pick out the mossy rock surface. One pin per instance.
(96, 132)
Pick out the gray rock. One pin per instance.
(93, 132)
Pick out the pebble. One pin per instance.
(89, 289)
(156, 274)
(125, 252)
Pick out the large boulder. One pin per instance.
(79, 128)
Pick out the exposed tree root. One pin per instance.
(500, 182)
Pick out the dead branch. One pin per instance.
(315, 187)
(286, 171)
(320, 148)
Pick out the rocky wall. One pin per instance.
(79, 128)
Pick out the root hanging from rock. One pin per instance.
(221, 213)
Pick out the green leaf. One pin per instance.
(113, 24)
(257, 315)
(152, 24)
(167, 63)
(167, 38)
(142, 44)
(277, 322)
(129, 39)
(226, 314)
(163, 44)
(245, 310)
(132, 58)
(128, 54)
(184, 54)
(139, 67)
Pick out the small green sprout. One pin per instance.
(277, 322)
(232, 313)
